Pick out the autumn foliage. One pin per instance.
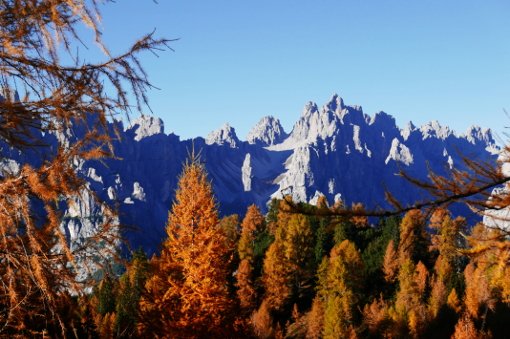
(187, 293)
(43, 101)
(300, 271)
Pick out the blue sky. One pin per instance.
(237, 61)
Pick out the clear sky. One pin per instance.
(237, 61)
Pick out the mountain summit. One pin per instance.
(268, 131)
(336, 151)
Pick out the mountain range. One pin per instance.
(335, 150)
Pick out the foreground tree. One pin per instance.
(187, 294)
(51, 99)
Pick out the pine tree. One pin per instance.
(187, 294)
(104, 301)
(128, 295)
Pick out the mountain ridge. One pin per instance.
(335, 150)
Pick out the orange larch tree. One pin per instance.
(287, 265)
(253, 223)
(187, 294)
(340, 285)
(38, 265)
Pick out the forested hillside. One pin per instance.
(302, 275)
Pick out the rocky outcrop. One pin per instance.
(336, 151)
(268, 131)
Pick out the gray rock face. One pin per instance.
(268, 131)
(335, 150)
(246, 170)
(145, 126)
(225, 135)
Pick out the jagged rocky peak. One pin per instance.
(145, 126)
(406, 131)
(476, 134)
(315, 199)
(268, 131)
(309, 109)
(225, 135)
(399, 153)
(434, 129)
(383, 120)
(314, 123)
(354, 115)
(335, 104)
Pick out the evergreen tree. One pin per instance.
(106, 296)
(128, 296)
(104, 301)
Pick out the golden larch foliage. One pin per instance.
(51, 99)
(478, 292)
(438, 297)
(453, 301)
(187, 293)
(339, 285)
(465, 329)
(421, 275)
(252, 223)
(376, 316)
(409, 305)
(315, 320)
(277, 277)
(287, 270)
(390, 263)
(412, 233)
(246, 292)
(262, 321)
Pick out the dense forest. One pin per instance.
(301, 275)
